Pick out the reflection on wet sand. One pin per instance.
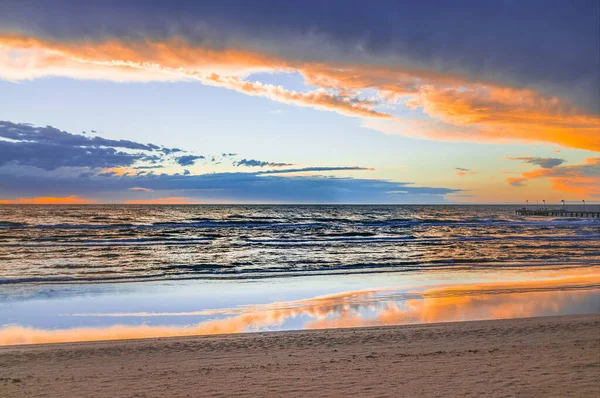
(578, 293)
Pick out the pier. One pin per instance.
(557, 213)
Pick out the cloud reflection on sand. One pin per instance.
(569, 294)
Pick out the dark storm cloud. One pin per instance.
(49, 148)
(551, 45)
(188, 160)
(259, 163)
(545, 163)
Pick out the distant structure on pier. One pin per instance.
(546, 212)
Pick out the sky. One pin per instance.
(299, 102)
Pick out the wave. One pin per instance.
(283, 225)
(352, 233)
(250, 217)
(285, 220)
(217, 272)
(316, 240)
(542, 241)
(12, 224)
(129, 243)
(115, 242)
(332, 239)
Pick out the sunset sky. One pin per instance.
(299, 102)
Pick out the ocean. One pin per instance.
(78, 273)
(52, 244)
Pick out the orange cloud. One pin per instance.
(164, 61)
(118, 171)
(464, 173)
(320, 99)
(581, 179)
(492, 112)
(516, 181)
(69, 200)
(161, 201)
(465, 109)
(500, 114)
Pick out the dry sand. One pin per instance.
(557, 356)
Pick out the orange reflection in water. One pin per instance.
(375, 307)
(484, 305)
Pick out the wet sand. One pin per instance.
(553, 356)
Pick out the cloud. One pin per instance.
(161, 201)
(117, 171)
(315, 169)
(69, 200)
(54, 136)
(259, 163)
(226, 187)
(464, 105)
(164, 61)
(148, 167)
(545, 163)
(188, 160)
(581, 179)
(318, 99)
(501, 114)
(517, 182)
(140, 189)
(168, 151)
(49, 148)
(463, 172)
(76, 168)
(51, 157)
(509, 42)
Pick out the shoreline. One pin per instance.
(281, 333)
(549, 356)
(268, 275)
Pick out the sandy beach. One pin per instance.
(551, 356)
